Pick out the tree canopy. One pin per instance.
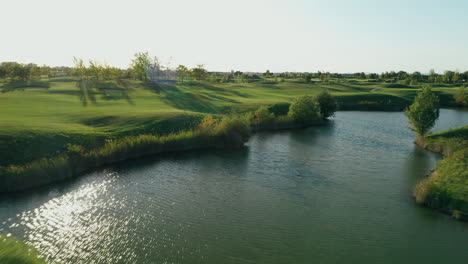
(424, 111)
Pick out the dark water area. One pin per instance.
(341, 193)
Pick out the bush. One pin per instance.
(207, 124)
(461, 98)
(263, 117)
(305, 110)
(327, 103)
(235, 130)
(74, 150)
(279, 109)
(423, 113)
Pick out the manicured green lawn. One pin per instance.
(40, 122)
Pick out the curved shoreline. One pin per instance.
(47, 171)
(429, 194)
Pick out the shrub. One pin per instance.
(461, 98)
(279, 109)
(263, 117)
(327, 103)
(305, 110)
(74, 150)
(207, 124)
(235, 130)
(423, 113)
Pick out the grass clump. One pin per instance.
(13, 251)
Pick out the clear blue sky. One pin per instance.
(246, 35)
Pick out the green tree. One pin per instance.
(80, 68)
(305, 110)
(327, 104)
(139, 65)
(213, 77)
(182, 73)
(45, 70)
(448, 76)
(461, 98)
(456, 77)
(432, 76)
(424, 111)
(199, 72)
(263, 116)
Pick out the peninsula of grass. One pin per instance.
(446, 189)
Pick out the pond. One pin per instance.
(341, 193)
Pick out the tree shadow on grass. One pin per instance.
(194, 101)
(224, 91)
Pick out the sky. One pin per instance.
(246, 35)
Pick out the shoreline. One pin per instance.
(427, 192)
(43, 172)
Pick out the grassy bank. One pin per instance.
(227, 132)
(213, 131)
(13, 251)
(446, 189)
(38, 125)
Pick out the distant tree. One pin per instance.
(373, 76)
(432, 76)
(239, 77)
(45, 70)
(182, 73)
(327, 104)
(308, 77)
(139, 66)
(416, 76)
(401, 75)
(267, 73)
(461, 98)
(154, 70)
(3, 72)
(456, 77)
(80, 68)
(213, 77)
(305, 110)
(199, 72)
(424, 111)
(95, 70)
(448, 76)
(464, 76)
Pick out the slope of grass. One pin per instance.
(38, 123)
(447, 188)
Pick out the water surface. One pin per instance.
(334, 194)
